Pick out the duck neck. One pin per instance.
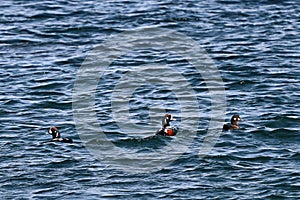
(234, 122)
(55, 135)
(165, 122)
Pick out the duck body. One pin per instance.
(171, 131)
(65, 140)
(233, 125)
(229, 126)
(56, 136)
(166, 129)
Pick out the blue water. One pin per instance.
(254, 45)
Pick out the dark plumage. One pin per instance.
(233, 125)
(56, 136)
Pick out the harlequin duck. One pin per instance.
(56, 136)
(166, 129)
(233, 123)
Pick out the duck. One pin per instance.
(56, 136)
(166, 129)
(233, 125)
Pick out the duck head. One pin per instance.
(54, 132)
(166, 120)
(235, 119)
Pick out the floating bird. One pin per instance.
(166, 129)
(233, 125)
(56, 136)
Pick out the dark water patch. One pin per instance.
(285, 134)
(280, 120)
(144, 144)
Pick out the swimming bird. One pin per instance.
(233, 125)
(166, 129)
(56, 136)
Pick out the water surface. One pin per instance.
(255, 47)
